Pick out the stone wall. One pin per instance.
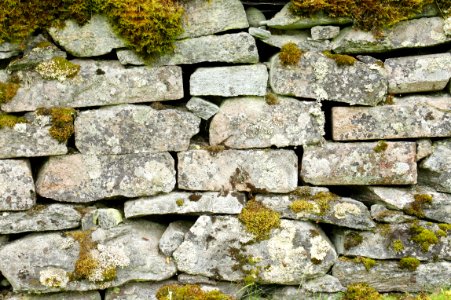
(221, 165)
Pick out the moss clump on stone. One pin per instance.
(189, 292)
(367, 262)
(290, 54)
(445, 227)
(57, 68)
(352, 239)
(397, 246)
(361, 291)
(85, 264)
(179, 202)
(416, 207)
(258, 219)
(272, 99)
(341, 59)
(62, 122)
(7, 91)
(10, 121)
(423, 237)
(381, 146)
(302, 205)
(409, 263)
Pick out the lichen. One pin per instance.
(381, 146)
(10, 121)
(423, 237)
(62, 126)
(7, 91)
(189, 292)
(361, 291)
(290, 54)
(179, 202)
(341, 59)
(367, 262)
(258, 219)
(53, 277)
(271, 99)
(352, 239)
(409, 263)
(57, 68)
(397, 246)
(416, 208)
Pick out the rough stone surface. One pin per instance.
(202, 108)
(185, 203)
(409, 117)
(285, 258)
(436, 169)
(241, 170)
(35, 56)
(360, 164)
(8, 50)
(92, 39)
(84, 178)
(93, 295)
(36, 261)
(295, 293)
(418, 73)
(381, 214)
(134, 129)
(174, 236)
(324, 32)
(98, 83)
(105, 218)
(319, 77)
(424, 148)
(255, 16)
(233, 81)
(17, 190)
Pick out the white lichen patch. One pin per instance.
(320, 248)
(341, 210)
(57, 68)
(53, 277)
(107, 258)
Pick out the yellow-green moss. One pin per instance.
(361, 291)
(85, 264)
(302, 205)
(109, 274)
(57, 68)
(445, 227)
(416, 207)
(180, 202)
(302, 192)
(323, 200)
(352, 239)
(381, 146)
(341, 59)
(214, 148)
(367, 262)
(62, 122)
(271, 99)
(10, 121)
(189, 292)
(258, 219)
(397, 246)
(410, 263)
(423, 237)
(290, 54)
(7, 91)
(389, 100)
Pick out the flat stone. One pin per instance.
(185, 203)
(250, 122)
(17, 190)
(421, 73)
(295, 293)
(424, 148)
(35, 56)
(44, 262)
(214, 245)
(387, 276)
(8, 50)
(105, 218)
(381, 214)
(126, 129)
(202, 108)
(319, 77)
(409, 117)
(255, 16)
(324, 32)
(240, 170)
(246, 80)
(93, 295)
(360, 164)
(174, 236)
(435, 170)
(92, 39)
(84, 178)
(97, 83)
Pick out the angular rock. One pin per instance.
(240, 170)
(94, 295)
(381, 214)
(105, 218)
(319, 77)
(97, 83)
(409, 117)
(435, 170)
(193, 279)
(8, 50)
(36, 55)
(247, 80)
(17, 190)
(324, 32)
(250, 122)
(220, 247)
(387, 276)
(185, 203)
(126, 129)
(254, 16)
(174, 236)
(84, 178)
(44, 262)
(202, 108)
(424, 148)
(325, 284)
(295, 293)
(383, 163)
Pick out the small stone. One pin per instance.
(255, 16)
(17, 190)
(424, 148)
(93, 295)
(202, 108)
(435, 170)
(381, 214)
(324, 284)
(195, 279)
(8, 50)
(174, 236)
(324, 32)
(296, 293)
(108, 217)
(42, 52)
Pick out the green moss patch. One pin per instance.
(258, 219)
(10, 121)
(409, 263)
(57, 68)
(367, 262)
(361, 291)
(189, 292)
(397, 246)
(62, 122)
(381, 146)
(272, 99)
(7, 91)
(302, 205)
(352, 239)
(290, 54)
(341, 59)
(179, 202)
(416, 207)
(85, 264)
(423, 237)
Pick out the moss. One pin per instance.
(323, 200)
(416, 207)
(367, 262)
(109, 274)
(381, 146)
(290, 54)
(62, 122)
(302, 205)
(352, 239)
(180, 202)
(384, 229)
(361, 291)
(7, 91)
(302, 191)
(246, 264)
(214, 148)
(10, 121)
(341, 59)
(397, 246)
(85, 264)
(389, 100)
(189, 292)
(423, 237)
(410, 263)
(259, 220)
(445, 227)
(272, 99)
(57, 68)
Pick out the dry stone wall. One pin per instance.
(220, 165)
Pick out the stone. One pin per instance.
(97, 83)
(174, 236)
(254, 16)
(319, 77)
(105, 218)
(240, 170)
(93, 295)
(220, 247)
(43, 262)
(8, 50)
(435, 170)
(84, 178)
(325, 284)
(3, 240)
(195, 279)
(40, 53)
(324, 32)
(416, 33)
(409, 117)
(185, 203)
(424, 148)
(202, 108)
(421, 73)
(383, 163)
(447, 26)
(17, 191)
(252, 122)
(295, 293)
(381, 214)
(40, 218)
(387, 276)
(129, 128)
(229, 48)
(92, 39)
(246, 80)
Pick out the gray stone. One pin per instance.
(319, 77)
(84, 178)
(420, 73)
(381, 214)
(424, 148)
(324, 32)
(296, 293)
(92, 39)
(250, 122)
(415, 33)
(44, 262)
(241, 170)
(214, 245)
(17, 190)
(126, 129)
(247, 80)
(447, 26)
(229, 48)
(387, 276)
(202, 108)
(185, 203)
(435, 170)
(255, 16)
(360, 164)
(3, 240)
(93, 295)
(36, 55)
(174, 236)
(40, 218)
(8, 50)
(98, 83)
(409, 117)
(108, 217)
(325, 284)
(193, 279)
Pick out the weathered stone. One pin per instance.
(126, 129)
(415, 33)
(220, 247)
(105, 218)
(319, 77)
(255, 16)
(447, 26)
(384, 163)
(3, 240)
(92, 39)
(193, 279)
(17, 190)
(241, 170)
(202, 108)
(424, 148)
(409, 117)
(8, 50)
(84, 178)
(247, 80)
(97, 83)
(324, 32)
(435, 170)
(387, 276)
(35, 56)
(295, 293)
(229, 48)
(174, 236)
(93, 295)
(185, 203)
(381, 214)
(325, 284)
(420, 73)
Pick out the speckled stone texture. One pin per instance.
(17, 190)
(173, 236)
(93, 295)
(435, 170)
(202, 108)
(8, 50)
